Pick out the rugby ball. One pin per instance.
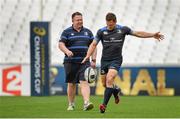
(90, 74)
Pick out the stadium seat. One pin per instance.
(145, 15)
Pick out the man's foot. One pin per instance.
(116, 95)
(70, 107)
(102, 108)
(88, 106)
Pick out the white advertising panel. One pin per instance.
(15, 80)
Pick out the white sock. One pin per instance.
(86, 102)
(71, 104)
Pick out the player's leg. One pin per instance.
(70, 71)
(85, 91)
(71, 92)
(102, 107)
(112, 73)
(85, 88)
(104, 71)
(116, 90)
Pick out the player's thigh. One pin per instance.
(114, 67)
(104, 71)
(112, 73)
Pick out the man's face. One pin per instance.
(77, 21)
(111, 24)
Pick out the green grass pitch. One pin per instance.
(55, 107)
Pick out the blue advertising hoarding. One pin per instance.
(153, 81)
(39, 43)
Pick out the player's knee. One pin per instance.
(110, 77)
(84, 83)
(109, 83)
(109, 80)
(71, 85)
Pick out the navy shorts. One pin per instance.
(110, 64)
(75, 71)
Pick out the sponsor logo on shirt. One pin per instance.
(113, 40)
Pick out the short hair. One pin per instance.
(76, 13)
(111, 16)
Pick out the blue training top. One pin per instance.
(77, 42)
(112, 41)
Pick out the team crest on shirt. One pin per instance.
(72, 34)
(86, 33)
(119, 31)
(105, 32)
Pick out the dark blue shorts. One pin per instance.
(75, 71)
(110, 64)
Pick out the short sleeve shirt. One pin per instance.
(77, 42)
(112, 41)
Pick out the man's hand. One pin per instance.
(85, 59)
(158, 36)
(93, 64)
(69, 53)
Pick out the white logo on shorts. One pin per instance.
(102, 72)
